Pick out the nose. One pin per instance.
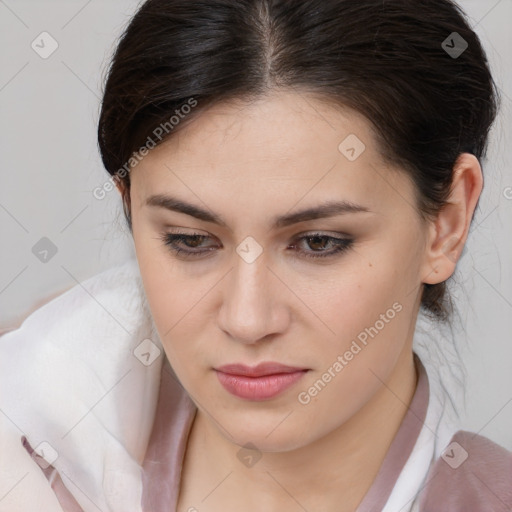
(253, 302)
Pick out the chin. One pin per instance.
(277, 431)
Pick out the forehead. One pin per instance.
(284, 145)
(283, 126)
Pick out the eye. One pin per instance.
(192, 241)
(319, 241)
(188, 245)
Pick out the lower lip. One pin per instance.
(258, 388)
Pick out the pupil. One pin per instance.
(195, 239)
(315, 240)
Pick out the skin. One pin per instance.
(249, 163)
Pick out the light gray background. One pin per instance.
(50, 165)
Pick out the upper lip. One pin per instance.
(265, 368)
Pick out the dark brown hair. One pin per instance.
(397, 62)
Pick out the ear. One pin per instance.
(449, 231)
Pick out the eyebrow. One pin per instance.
(325, 209)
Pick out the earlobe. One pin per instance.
(448, 232)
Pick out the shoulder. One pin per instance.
(473, 473)
(85, 366)
(113, 294)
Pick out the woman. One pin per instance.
(299, 179)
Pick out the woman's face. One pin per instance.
(251, 290)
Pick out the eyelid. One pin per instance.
(308, 232)
(341, 242)
(296, 238)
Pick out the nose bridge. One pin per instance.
(249, 310)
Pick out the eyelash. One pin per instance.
(171, 239)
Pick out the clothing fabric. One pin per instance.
(93, 418)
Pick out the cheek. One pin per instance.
(367, 317)
(161, 282)
(353, 300)
(371, 320)
(177, 300)
(176, 322)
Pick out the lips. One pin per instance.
(261, 382)
(260, 370)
